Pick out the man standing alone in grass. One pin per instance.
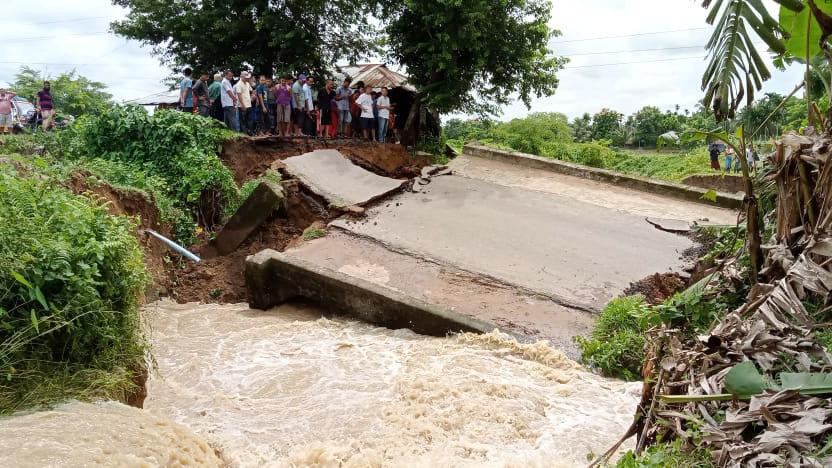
(44, 106)
(6, 111)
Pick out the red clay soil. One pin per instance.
(137, 204)
(250, 157)
(222, 279)
(658, 287)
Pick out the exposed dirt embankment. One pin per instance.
(249, 158)
(137, 204)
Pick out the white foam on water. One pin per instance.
(288, 388)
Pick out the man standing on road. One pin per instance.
(186, 91)
(214, 92)
(200, 91)
(284, 106)
(6, 111)
(342, 97)
(309, 107)
(243, 89)
(271, 106)
(326, 97)
(298, 109)
(228, 99)
(45, 107)
(383, 106)
(365, 101)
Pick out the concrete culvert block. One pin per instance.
(273, 277)
(267, 198)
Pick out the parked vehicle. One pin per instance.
(26, 117)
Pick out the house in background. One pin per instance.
(402, 94)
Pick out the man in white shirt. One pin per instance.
(228, 99)
(243, 89)
(365, 101)
(383, 106)
(298, 111)
(309, 107)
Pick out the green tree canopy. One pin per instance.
(606, 125)
(533, 133)
(474, 56)
(72, 93)
(288, 36)
(582, 128)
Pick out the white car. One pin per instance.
(23, 112)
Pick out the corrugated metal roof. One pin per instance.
(375, 75)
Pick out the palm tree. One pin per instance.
(735, 68)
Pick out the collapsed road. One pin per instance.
(533, 253)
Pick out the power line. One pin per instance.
(75, 20)
(639, 61)
(635, 50)
(627, 35)
(37, 38)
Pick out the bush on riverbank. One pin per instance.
(71, 279)
(172, 155)
(616, 346)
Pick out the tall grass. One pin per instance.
(71, 279)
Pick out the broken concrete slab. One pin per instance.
(577, 253)
(513, 310)
(675, 226)
(263, 201)
(273, 278)
(331, 175)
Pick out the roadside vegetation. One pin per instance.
(73, 278)
(74, 275)
(631, 144)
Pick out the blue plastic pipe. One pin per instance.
(174, 246)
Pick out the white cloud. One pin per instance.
(130, 71)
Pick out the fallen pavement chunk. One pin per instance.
(670, 225)
(265, 199)
(329, 174)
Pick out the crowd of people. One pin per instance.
(291, 106)
(732, 161)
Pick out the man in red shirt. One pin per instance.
(44, 106)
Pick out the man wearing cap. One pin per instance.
(243, 90)
(298, 105)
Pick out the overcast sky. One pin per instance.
(56, 36)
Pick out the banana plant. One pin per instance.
(735, 68)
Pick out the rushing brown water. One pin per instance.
(288, 388)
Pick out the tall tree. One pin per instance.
(606, 124)
(475, 56)
(582, 128)
(72, 93)
(285, 36)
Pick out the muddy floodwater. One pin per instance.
(289, 388)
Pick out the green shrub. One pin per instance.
(175, 147)
(71, 279)
(248, 188)
(592, 154)
(616, 346)
(668, 455)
